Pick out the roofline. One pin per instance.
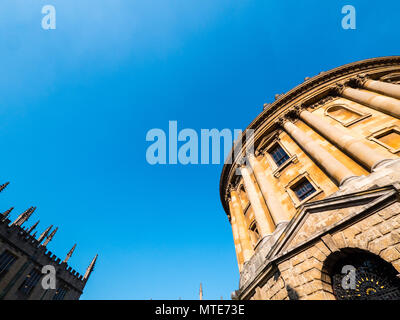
(296, 92)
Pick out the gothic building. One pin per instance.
(22, 257)
(314, 198)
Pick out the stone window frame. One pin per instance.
(268, 145)
(61, 292)
(253, 225)
(292, 195)
(378, 134)
(247, 206)
(27, 281)
(362, 115)
(10, 263)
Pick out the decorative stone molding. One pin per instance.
(360, 79)
(322, 102)
(361, 115)
(319, 227)
(338, 88)
(294, 112)
(280, 121)
(377, 134)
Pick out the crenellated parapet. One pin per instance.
(20, 244)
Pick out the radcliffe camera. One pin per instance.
(184, 159)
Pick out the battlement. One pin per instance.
(20, 241)
(29, 244)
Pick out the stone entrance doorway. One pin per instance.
(367, 277)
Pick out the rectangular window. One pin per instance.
(6, 261)
(388, 138)
(60, 293)
(278, 154)
(391, 138)
(30, 281)
(303, 189)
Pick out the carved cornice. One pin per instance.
(322, 102)
(311, 87)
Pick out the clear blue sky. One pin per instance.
(76, 104)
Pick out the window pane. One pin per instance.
(278, 154)
(30, 282)
(6, 261)
(60, 293)
(304, 189)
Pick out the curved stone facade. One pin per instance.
(319, 178)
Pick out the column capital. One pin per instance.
(359, 80)
(338, 88)
(280, 121)
(294, 112)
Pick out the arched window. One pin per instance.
(360, 275)
(344, 114)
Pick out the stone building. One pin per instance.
(22, 257)
(313, 197)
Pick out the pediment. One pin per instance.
(316, 218)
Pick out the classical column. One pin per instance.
(360, 149)
(264, 221)
(274, 206)
(236, 238)
(373, 100)
(243, 233)
(323, 158)
(389, 89)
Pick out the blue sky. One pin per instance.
(76, 104)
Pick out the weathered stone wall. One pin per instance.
(31, 255)
(305, 273)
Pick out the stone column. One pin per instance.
(389, 89)
(264, 221)
(267, 189)
(323, 158)
(373, 100)
(360, 149)
(243, 233)
(236, 238)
